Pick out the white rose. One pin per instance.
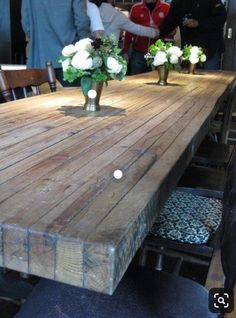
(174, 59)
(175, 50)
(68, 50)
(160, 58)
(65, 64)
(203, 58)
(194, 50)
(82, 61)
(193, 58)
(113, 65)
(83, 44)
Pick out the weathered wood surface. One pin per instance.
(62, 214)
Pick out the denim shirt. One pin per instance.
(50, 25)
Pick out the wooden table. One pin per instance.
(63, 215)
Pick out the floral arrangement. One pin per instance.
(161, 53)
(98, 60)
(193, 54)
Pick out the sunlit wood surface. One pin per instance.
(63, 215)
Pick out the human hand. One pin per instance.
(190, 23)
(97, 34)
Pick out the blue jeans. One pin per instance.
(212, 63)
(138, 64)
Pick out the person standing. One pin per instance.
(50, 25)
(114, 21)
(201, 23)
(147, 13)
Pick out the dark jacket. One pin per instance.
(211, 15)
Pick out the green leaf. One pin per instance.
(86, 84)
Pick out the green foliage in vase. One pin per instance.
(163, 53)
(193, 54)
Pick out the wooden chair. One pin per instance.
(217, 153)
(200, 180)
(11, 81)
(189, 226)
(206, 174)
(15, 84)
(212, 154)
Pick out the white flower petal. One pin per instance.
(174, 59)
(68, 50)
(84, 44)
(160, 58)
(175, 50)
(113, 65)
(193, 58)
(65, 64)
(203, 58)
(194, 50)
(82, 61)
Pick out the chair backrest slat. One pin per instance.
(11, 81)
(25, 92)
(13, 94)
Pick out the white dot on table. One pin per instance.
(117, 174)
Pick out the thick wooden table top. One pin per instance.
(63, 215)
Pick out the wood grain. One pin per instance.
(63, 216)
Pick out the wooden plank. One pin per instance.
(9, 154)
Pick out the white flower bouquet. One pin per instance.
(93, 61)
(193, 54)
(161, 53)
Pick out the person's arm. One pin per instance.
(137, 29)
(25, 18)
(216, 19)
(96, 25)
(82, 21)
(172, 20)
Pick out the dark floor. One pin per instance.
(8, 309)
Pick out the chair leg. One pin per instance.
(159, 262)
(178, 266)
(143, 256)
